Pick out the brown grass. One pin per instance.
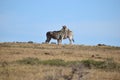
(11, 52)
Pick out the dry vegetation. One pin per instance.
(30, 61)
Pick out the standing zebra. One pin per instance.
(64, 33)
(68, 34)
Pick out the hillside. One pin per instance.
(32, 61)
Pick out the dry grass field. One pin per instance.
(27, 61)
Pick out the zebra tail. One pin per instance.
(73, 40)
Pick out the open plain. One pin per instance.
(32, 61)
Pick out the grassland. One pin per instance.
(27, 61)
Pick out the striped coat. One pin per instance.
(64, 33)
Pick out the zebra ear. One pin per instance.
(64, 27)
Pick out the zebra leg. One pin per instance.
(59, 41)
(48, 40)
(71, 39)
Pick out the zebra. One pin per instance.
(69, 35)
(64, 33)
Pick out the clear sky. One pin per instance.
(92, 21)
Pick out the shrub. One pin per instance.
(30, 42)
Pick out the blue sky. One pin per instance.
(92, 21)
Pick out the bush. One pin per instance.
(30, 42)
